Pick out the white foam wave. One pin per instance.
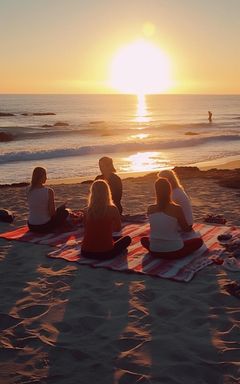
(112, 148)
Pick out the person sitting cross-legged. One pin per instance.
(101, 219)
(165, 218)
(43, 216)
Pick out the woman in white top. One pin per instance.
(43, 217)
(179, 196)
(165, 218)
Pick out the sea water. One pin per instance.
(140, 133)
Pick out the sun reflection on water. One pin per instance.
(145, 161)
(141, 113)
(140, 136)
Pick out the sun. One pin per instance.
(140, 68)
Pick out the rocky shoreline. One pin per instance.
(229, 178)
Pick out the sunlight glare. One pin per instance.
(140, 68)
(146, 161)
(141, 114)
(140, 136)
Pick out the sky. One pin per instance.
(68, 46)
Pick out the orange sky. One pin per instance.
(67, 46)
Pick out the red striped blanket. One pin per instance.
(52, 239)
(138, 260)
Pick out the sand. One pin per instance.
(65, 323)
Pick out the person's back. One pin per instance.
(98, 232)
(101, 218)
(113, 180)
(164, 232)
(43, 217)
(38, 205)
(180, 197)
(165, 219)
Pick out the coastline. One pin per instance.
(230, 163)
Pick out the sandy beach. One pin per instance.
(87, 88)
(64, 323)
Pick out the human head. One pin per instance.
(106, 165)
(99, 198)
(171, 177)
(39, 176)
(163, 192)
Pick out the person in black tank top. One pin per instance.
(113, 180)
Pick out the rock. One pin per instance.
(38, 114)
(23, 184)
(47, 126)
(87, 182)
(187, 172)
(97, 122)
(191, 133)
(221, 174)
(60, 124)
(4, 114)
(231, 182)
(44, 114)
(4, 136)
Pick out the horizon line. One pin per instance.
(118, 94)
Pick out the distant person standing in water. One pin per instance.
(113, 180)
(209, 116)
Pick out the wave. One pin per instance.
(111, 129)
(112, 148)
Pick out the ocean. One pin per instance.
(140, 133)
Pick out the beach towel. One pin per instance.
(52, 239)
(139, 261)
(60, 237)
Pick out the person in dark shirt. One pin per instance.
(113, 180)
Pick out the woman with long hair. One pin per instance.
(43, 216)
(179, 195)
(165, 217)
(108, 173)
(101, 219)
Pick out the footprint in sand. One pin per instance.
(34, 311)
(128, 343)
(7, 321)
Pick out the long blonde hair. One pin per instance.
(100, 198)
(37, 176)
(171, 177)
